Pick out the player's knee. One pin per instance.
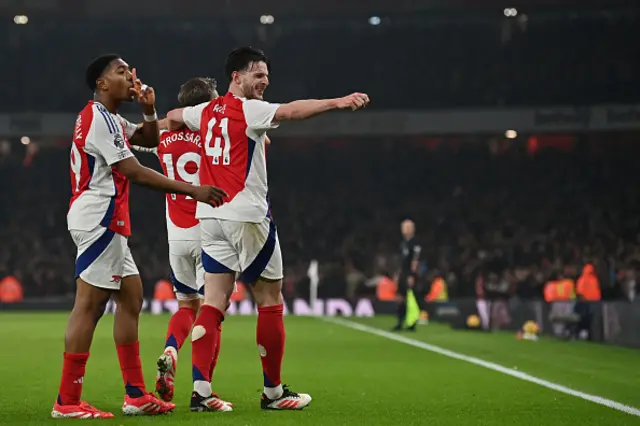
(136, 304)
(220, 292)
(268, 292)
(98, 312)
(193, 304)
(222, 301)
(90, 302)
(129, 299)
(219, 300)
(90, 310)
(131, 306)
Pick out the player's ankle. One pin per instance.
(172, 350)
(133, 391)
(202, 388)
(273, 392)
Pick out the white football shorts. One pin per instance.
(103, 258)
(252, 249)
(187, 273)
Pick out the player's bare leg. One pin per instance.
(125, 334)
(205, 338)
(89, 306)
(177, 332)
(270, 337)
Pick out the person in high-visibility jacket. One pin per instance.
(163, 291)
(550, 291)
(588, 288)
(438, 291)
(565, 289)
(241, 292)
(10, 290)
(588, 292)
(560, 290)
(386, 289)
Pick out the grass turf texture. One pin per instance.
(355, 378)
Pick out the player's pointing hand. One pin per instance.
(354, 101)
(209, 194)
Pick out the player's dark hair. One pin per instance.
(196, 91)
(242, 57)
(97, 67)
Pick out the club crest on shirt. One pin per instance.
(118, 141)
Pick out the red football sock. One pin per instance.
(270, 337)
(205, 334)
(129, 357)
(179, 327)
(216, 352)
(72, 377)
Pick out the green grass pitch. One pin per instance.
(354, 378)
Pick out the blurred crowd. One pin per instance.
(440, 59)
(504, 211)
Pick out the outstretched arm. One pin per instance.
(189, 116)
(303, 109)
(107, 142)
(174, 119)
(137, 173)
(263, 116)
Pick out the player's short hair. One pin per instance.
(242, 57)
(96, 68)
(196, 91)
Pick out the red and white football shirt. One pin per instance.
(100, 194)
(233, 155)
(179, 154)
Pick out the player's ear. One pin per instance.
(235, 77)
(101, 84)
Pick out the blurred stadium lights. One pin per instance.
(511, 12)
(374, 20)
(510, 134)
(267, 19)
(25, 140)
(21, 19)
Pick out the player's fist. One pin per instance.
(147, 96)
(354, 101)
(209, 194)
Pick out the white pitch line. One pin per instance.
(486, 364)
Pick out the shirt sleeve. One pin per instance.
(145, 149)
(129, 127)
(193, 115)
(260, 114)
(106, 140)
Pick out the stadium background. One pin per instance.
(508, 132)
